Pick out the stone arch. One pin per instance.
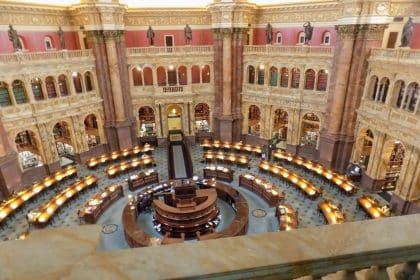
(363, 146)
(310, 129)
(5, 99)
(254, 120)
(147, 121)
(29, 149)
(19, 92)
(202, 117)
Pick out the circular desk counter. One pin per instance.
(136, 237)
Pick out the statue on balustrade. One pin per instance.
(268, 34)
(150, 35)
(308, 32)
(407, 33)
(14, 38)
(60, 33)
(188, 34)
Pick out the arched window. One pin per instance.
(321, 84)
(383, 90)
(254, 117)
(301, 38)
(48, 43)
(88, 81)
(280, 124)
(295, 77)
(37, 89)
(373, 87)
(62, 85)
(77, 82)
(63, 140)
(205, 73)
(161, 76)
(261, 75)
(364, 147)
(273, 76)
(195, 74)
(398, 93)
(19, 92)
(137, 79)
(251, 74)
(148, 76)
(284, 79)
(202, 117)
(27, 148)
(412, 96)
(310, 130)
(147, 121)
(310, 79)
(326, 38)
(172, 75)
(182, 75)
(4, 95)
(393, 156)
(92, 131)
(279, 38)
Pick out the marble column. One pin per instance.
(345, 91)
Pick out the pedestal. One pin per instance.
(400, 206)
(371, 184)
(10, 175)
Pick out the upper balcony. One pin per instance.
(41, 57)
(291, 51)
(395, 56)
(156, 54)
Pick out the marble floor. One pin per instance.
(113, 236)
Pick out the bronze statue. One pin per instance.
(268, 34)
(14, 38)
(308, 32)
(61, 37)
(407, 33)
(188, 34)
(150, 35)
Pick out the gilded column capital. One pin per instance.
(112, 34)
(346, 31)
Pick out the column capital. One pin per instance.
(369, 31)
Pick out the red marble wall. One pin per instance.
(139, 38)
(34, 41)
(290, 35)
(415, 41)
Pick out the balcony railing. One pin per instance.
(396, 55)
(21, 57)
(170, 50)
(286, 50)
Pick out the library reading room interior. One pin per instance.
(210, 139)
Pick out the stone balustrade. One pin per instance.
(28, 57)
(170, 51)
(303, 50)
(148, 91)
(382, 248)
(398, 56)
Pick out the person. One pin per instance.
(14, 38)
(150, 35)
(268, 34)
(61, 37)
(308, 32)
(188, 34)
(407, 33)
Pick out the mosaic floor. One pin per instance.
(113, 237)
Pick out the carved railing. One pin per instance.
(151, 91)
(289, 50)
(24, 57)
(143, 51)
(408, 56)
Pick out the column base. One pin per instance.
(34, 174)
(162, 142)
(308, 152)
(400, 206)
(228, 128)
(120, 135)
(10, 175)
(254, 140)
(292, 148)
(335, 151)
(370, 184)
(93, 152)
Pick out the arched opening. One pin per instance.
(148, 76)
(364, 147)
(205, 73)
(398, 93)
(137, 79)
(27, 148)
(310, 130)
(301, 38)
(280, 124)
(88, 81)
(251, 74)
(161, 76)
(279, 38)
(63, 143)
(383, 90)
(322, 82)
(373, 87)
(174, 114)
(412, 97)
(284, 79)
(92, 131)
(37, 89)
(62, 85)
(309, 79)
(77, 82)
(254, 118)
(261, 74)
(4, 95)
(393, 158)
(195, 74)
(50, 86)
(273, 76)
(182, 75)
(147, 121)
(295, 78)
(202, 117)
(326, 38)
(172, 75)
(22, 43)
(48, 43)
(19, 92)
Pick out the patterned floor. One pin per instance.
(113, 237)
